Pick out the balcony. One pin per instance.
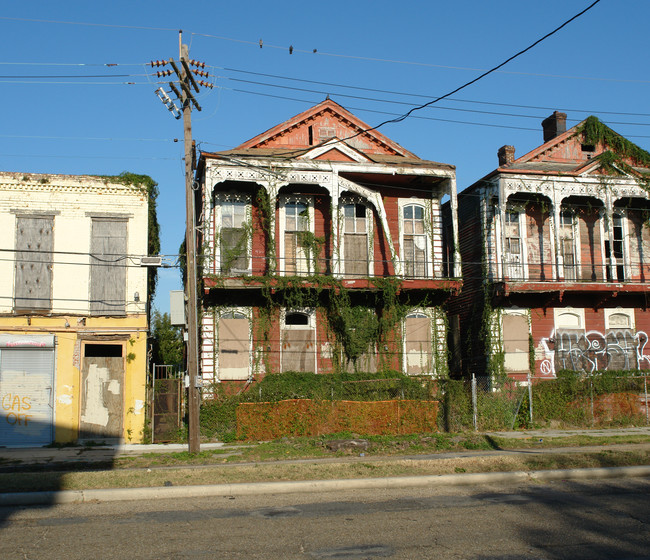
(319, 273)
(588, 279)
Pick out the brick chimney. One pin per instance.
(506, 155)
(554, 125)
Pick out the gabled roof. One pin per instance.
(577, 151)
(580, 151)
(321, 123)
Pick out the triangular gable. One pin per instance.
(572, 146)
(335, 150)
(322, 123)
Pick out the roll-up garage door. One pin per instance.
(26, 391)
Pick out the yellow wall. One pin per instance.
(68, 359)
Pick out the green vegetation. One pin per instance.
(288, 459)
(150, 188)
(166, 340)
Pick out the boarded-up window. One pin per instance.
(234, 346)
(366, 362)
(415, 241)
(108, 264)
(234, 238)
(355, 240)
(571, 343)
(417, 344)
(34, 245)
(516, 343)
(620, 339)
(299, 342)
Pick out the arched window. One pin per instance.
(234, 344)
(418, 358)
(298, 349)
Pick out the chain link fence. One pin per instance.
(478, 404)
(569, 401)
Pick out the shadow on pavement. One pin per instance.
(44, 469)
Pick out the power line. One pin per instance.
(488, 72)
(392, 92)
(363, 109)
(32, 20)
(495, 113)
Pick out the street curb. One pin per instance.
(245, 489)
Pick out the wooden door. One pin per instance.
(102, 399)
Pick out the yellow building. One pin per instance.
(73, 308)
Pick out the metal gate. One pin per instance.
(167, 403)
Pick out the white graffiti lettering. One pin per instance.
(590, 351)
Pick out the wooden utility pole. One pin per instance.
(190, 245)
(186, 98)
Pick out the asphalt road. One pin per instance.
(541, 520)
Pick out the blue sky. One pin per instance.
(67, 112)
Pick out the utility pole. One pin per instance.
(186, 99)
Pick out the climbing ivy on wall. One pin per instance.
(355, 322)
(149, 187)
(615, 159)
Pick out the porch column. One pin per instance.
(609, 210)
(457, 270)
(559, 261)
(335, 195)
(501, 223)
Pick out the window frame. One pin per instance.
(369, 234)
(246, 313)
(304, 266)
(221, 200)
(425, 235)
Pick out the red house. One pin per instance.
(323, 251)
(556, 257)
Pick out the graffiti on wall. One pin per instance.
(618, 349)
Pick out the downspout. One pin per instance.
(335, 196)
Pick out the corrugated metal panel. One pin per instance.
(26, 397)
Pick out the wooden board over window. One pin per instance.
(515, 343)
(234, 347)
(108, 264)
(34, 246)
(417, 345)
(298, 343)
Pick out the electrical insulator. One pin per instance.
(158, 63)
(201, 73)
(205, 84)
(197, 63)
(164, 73)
